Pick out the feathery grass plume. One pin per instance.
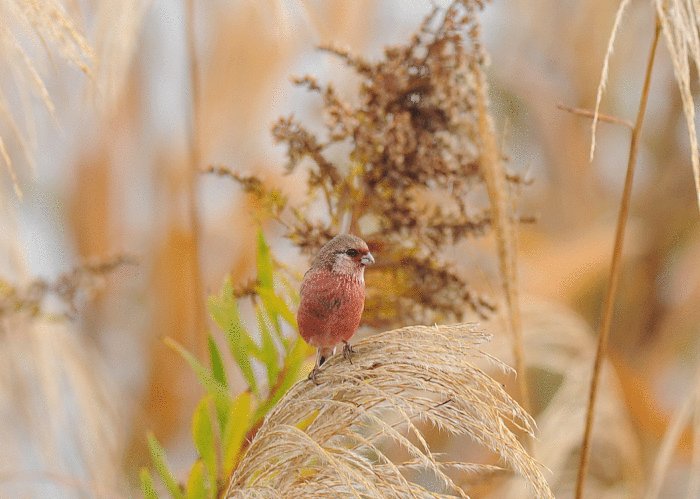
(116, 41)
(681, 24)
(42, 22)
(327, 440)
(561, 348)
(56, 378)
(604, 73)
(63, 404)
(687, 413)
(503, 223)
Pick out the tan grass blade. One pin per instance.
(64, 402)
(21, 142)
(496, 185)
(50, 21)
(8, 162)
(685, 414)
(116, 42)
(40, 22)
(680, 21)
(604, 72)
(561, 348)
(328, 440)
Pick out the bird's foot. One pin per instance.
(348, 351)
(312, 375)
(320, 359)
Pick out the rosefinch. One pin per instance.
(333, 297)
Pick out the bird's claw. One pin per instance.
(312, 375)
(348, 351)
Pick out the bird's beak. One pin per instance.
(367, 259)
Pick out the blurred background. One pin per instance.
(107, 170)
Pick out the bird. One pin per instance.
(332, 297)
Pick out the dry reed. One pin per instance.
(679, 22)
(615, 266)
(44, 22)
(561, 348)
(328, 440)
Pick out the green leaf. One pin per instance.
(161, 463)
(288, 375)
(276, 306)
(264, 263)
(219, 371)
(269, 349)
(236, 429)
(203, 436)
(147, 486)
(266, 287)
(224, 310)
(206, 377)
(195, 484)
(217, 364)
(292, 290)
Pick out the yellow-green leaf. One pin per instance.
(219, 372)
(217, 364)
(203, 436)
(236, 429)
(274, 304)
(206, 377)
(196, 488)
(161, 463)
(264, 263)
(224, 311)
(268, 352)
(289, 374)
(147, 486)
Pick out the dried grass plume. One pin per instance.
(330, 439)
(680, 22)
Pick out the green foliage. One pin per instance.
(161, 464)
(222, 424)
(196, 489)
(147, 485)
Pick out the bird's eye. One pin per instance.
(352, 252)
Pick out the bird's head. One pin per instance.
(345, 254)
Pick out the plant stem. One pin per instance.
(503, 224)
(606, 317)
(192, 181)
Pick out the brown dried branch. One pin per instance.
(591, 114)
(414, 158)
(68, 287)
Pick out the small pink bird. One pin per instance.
(333, 297)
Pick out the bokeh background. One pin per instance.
(112, 174)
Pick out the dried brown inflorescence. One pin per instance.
(411, 178)
(69, 287)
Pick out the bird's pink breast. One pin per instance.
(331, 307)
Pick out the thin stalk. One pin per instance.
(192, 182)
(592, 114)
(503, 225)
(606, 317)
